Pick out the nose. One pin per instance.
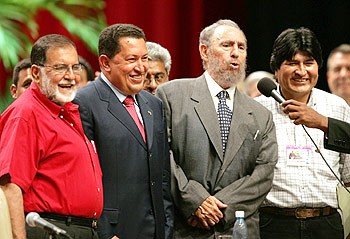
(344, 72)
(70, 74)
(301, 70)
(141, 65)
(234, 51)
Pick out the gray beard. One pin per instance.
(224, 77)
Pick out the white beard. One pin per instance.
(225, 77)
(52, 92)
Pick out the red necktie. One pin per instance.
(130, 107)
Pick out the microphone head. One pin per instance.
(31, 217)
(266, 85)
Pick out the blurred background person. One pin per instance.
(249, 85)
(159, 60)
(21, 78)
(338, 71)
(87, 74)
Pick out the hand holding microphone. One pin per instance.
(297, 111)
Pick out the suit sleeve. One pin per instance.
(86, 118)
(166, 184)
(249, 192)
(187, 194)
(338, 136)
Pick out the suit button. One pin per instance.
(150, 155)
(152, 183)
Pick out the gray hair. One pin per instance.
(343, 48)
(207, 33)
(158, 53)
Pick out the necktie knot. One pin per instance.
(222, 95)
(129, 100)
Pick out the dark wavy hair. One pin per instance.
(290, 41)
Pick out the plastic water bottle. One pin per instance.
(240, 230)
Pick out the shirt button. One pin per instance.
(95, 214)
(71, 124)
(98, 189)
(61, 116)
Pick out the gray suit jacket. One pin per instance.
(136, 175)
(242, 178)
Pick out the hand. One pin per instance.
(303, 114)
(208, 213)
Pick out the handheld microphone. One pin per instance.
(269, 89)
(33, 219)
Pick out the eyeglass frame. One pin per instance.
(67, 67)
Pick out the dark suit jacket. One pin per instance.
(136, 175)
(338, 136)
(241, 178)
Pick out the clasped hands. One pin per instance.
(207, 214)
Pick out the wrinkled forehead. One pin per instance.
(63, 54)
(228, 33)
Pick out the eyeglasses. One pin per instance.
(63, 68)
(159, 78)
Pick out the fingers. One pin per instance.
(201, 218)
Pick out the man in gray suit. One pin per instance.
(128, 126)
(223, 153)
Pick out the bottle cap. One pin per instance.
(239, 214)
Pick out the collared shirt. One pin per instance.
(311, 184)
(121, 96)
(45, 151)
(214, 89)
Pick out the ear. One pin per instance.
(13, 90)
(203, 50)
(104, 63)
(36, 73)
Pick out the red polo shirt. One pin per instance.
(45, 151)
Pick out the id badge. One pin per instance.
(298, 155)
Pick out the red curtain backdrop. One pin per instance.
(175, 24)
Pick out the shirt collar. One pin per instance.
(115, 90)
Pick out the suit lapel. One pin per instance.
(207, 114)
(238, 130)
(116, 108)
(147, 117)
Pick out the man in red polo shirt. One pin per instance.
(47, 164)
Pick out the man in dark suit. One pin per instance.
(216, 174)
(338, 136)
(132, 145)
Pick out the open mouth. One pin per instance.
(66, 86)
(235, 65)
(137, 78)
(300, 80)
